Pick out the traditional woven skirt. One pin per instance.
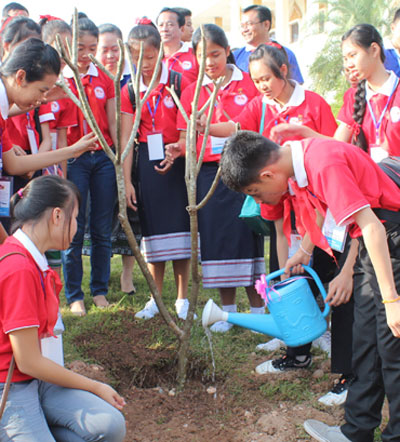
(231, 254)
(163, 216)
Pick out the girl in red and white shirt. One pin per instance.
(231, 254)
(44, 214)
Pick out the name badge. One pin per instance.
(378, 153)
(335, 235)
(32, 140)
(155, 146)
(295, 241)
(217, 144)
(6, 185)
(54, 139)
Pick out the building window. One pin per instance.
(294, 32)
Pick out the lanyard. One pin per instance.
(153, 112)
(175, 59)
(286, 119)
(378, 124)
(28, 117)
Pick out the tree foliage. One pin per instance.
(337, 17)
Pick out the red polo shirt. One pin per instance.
(185, 62)
(230, 102)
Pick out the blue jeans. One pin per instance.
(37, 411)
(94, 173)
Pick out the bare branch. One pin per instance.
(154, 77)
(117, 87)
(101, 66)
(212, 189)
(64, 86)
(178, 103)
(217, 85)
(205, 106)
(75, 33)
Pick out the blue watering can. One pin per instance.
(295, 316)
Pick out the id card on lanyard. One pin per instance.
(6, 186)
(155, 143)
(334, 234)
(376, 150)
(31, 136)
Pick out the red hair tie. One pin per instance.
(49, 17)
(21, 193)
(143, 21)
(355, 128)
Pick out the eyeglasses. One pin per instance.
(249, 24)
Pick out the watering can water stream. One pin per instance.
(295, 315)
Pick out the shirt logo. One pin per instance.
(395, 114)
(186, 65)
(169, 102)
(99, 92)
(241, 99)
(296, 120)
(55, 107)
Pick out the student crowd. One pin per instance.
(315, 176)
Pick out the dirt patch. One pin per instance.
(242, 407)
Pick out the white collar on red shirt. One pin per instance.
(297, 98)
(4, 104)
(163, 78)
(385, 89)
(67, 72)
(40, 259)
(237, 75)
(186, 46)
(300, 173)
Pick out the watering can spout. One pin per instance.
(260, 323)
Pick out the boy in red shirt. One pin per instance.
(328, 174)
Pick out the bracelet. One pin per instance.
(305, 251)
(389, 301)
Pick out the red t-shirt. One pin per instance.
(22, 301)
(389, 131)
(165, 114)
(230, 103)
(313, 112)
(185, 62)
(17, 126)
(99, 89)
(65, 114)
(345, 179)
(6, 143)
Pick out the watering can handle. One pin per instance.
(314, 276)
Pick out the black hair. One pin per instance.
(363, 35)
(146, 33)
(179, 16)
(216, 35)
(243, 156)
(40, 194)
(50, 28)
(183, 11)
(13, 6)
(20, 28)
(263, 13)
(34, 57)
(273, 57)
(86, 26)
(110, 28)
(396, 16)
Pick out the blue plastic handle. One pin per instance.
(314, 275)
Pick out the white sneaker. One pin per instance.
(338, 394)
(323, 342)
(266, 367)
(149, 311)
(221, 327)
(272, 345)
(182, 307)
(324, 433)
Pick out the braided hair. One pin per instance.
(362, 35)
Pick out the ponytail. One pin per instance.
(360, 103)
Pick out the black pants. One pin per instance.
(376, 353)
